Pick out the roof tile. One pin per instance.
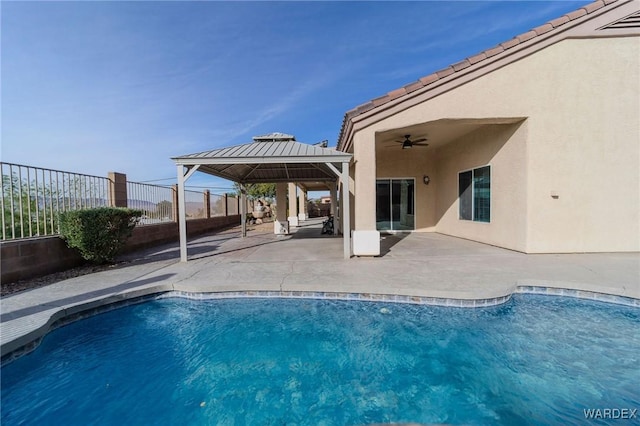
(461, 65)
(351, 113)
(429, 79)
(412, 87)
(576, 14)
(543, 29)
(591, 7)
(381, 100)
(445, 72)
(510, 43)
(394, 94)
(368, 106)
(477, 58)
(609, 1)
(526, 36)
(559, 21)
(493, 51)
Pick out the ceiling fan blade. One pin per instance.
(419, 140)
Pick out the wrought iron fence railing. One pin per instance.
(232, 206)
(33, 197)
(194, 205)
(217, 205)
(155, 201)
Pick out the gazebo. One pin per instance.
(273, 158)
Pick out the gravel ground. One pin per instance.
(15, 287)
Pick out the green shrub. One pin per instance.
(99, 233)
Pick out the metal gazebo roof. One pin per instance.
(270, 158)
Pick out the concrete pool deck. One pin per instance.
(424, 268)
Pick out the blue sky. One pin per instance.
(93, 87)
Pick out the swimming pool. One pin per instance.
(533, 360)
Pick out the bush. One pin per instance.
(99, 233)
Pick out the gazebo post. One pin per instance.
(334, 199)
(182, 215)
(182, 210)
(243, 209)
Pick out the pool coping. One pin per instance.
(28, 342)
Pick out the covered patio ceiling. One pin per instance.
(272, 158)
(443, 131)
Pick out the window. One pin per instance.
(474, 194)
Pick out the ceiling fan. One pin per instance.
(407, 143)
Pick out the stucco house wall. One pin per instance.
(565, 178)
(503, 148)
(585, 147)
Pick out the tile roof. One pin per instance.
(434, 78)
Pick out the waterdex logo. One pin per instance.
(611, 413)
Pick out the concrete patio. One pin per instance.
(416, 265)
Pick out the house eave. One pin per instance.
(586, 22)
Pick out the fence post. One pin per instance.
(207, 203)
(226, 206)
(174, 204)
(117, 189)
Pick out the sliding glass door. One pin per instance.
(395, 200)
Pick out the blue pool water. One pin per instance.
(534, 360)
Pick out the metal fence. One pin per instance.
(232, 206)
(158, 203)
(194, 205)
(217, 205)
(155, 201)
(32, 197)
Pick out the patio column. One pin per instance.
(302, 205)
(346, 233)
(293, 205)
(366, 238)
(280, 224)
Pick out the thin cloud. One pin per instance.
(280, 105)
